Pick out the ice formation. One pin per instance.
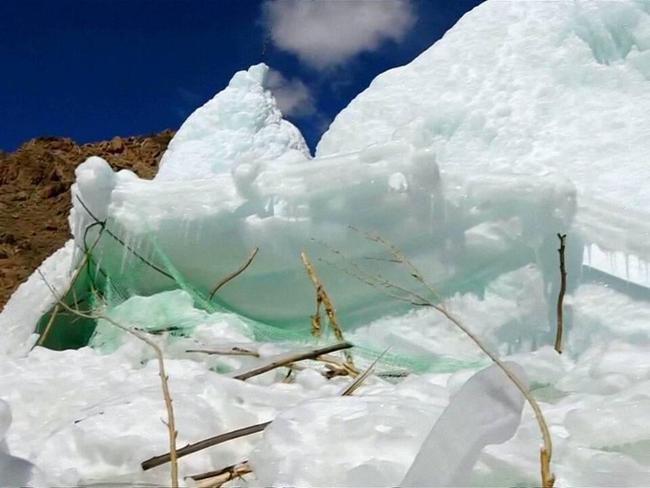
(241, 125)
(526, 119)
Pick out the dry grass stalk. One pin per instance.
(322, 298)
(164, 379)
(234, 274)
(415, 298)
(560, 297)
(358, 381)
(292, 358)
(215, 479)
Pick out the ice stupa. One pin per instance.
(527, 119)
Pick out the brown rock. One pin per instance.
(39, 173)
(116, 145)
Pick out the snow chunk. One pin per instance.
(32, 299)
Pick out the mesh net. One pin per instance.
(95, 285)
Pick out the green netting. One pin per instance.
(94, 285)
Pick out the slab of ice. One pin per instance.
(460, 236)
(486, 410)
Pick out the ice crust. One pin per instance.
(526, 119)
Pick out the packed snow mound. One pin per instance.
(14, 471)
(528, 87)
(241, 124)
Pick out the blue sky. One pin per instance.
(92, 69)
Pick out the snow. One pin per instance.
(32, 299)
(526, 119)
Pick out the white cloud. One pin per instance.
(327, 33)
(292, 95)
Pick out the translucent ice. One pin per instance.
(486, 410)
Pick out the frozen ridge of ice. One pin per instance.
(241, 124)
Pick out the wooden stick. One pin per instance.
(560, 297)
(292, 358)
(234, 274)
(204, 444)
(211, 474)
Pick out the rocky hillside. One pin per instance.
(35, 195)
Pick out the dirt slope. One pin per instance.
(35, 198)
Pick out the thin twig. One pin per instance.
(323, 298)
(118, 239)
(235, 351)
(235, 273)
(204, 444)
(292, 358)
(171, 423)
(560, 297)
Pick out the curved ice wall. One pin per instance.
(468, 159)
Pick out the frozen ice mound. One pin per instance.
(241, 124)
(531, 87)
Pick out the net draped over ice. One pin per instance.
(526, 120)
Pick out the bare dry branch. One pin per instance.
(234, 274)
(292, 358)
(204, 444)
(560, 297)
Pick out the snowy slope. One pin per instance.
(529, 87)
(468, 159)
